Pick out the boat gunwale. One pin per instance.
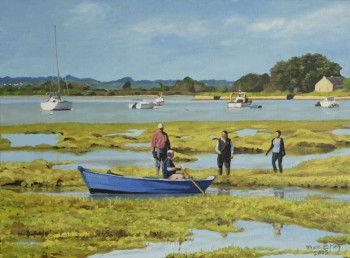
(210, 178)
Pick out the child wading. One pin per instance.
(278, 152)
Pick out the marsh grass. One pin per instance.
(329, 173)
(304, 137)
(74, 226)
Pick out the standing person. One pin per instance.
(224, 148)
(159, 146)
(169, 169)
(278, 152)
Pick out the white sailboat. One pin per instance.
(55, 103)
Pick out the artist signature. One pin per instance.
(322, 249)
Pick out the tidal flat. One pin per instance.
(75, 226)
(36, 225)
(329, 173)
(188, 138)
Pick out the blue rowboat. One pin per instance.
(112, 183)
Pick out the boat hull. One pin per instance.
(145, 105)
(56, 106)
(328, 104)
(110, 183)
(141, 105)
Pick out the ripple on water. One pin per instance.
(130, 133)
(250, 132)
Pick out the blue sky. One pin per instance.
(167, 39)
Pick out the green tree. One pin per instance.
(346, 83)
(127, 86)
(302, 73)
(251, 82)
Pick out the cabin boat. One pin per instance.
(141, 104)
(55, 103)
(112, 183)
(328, 102)
(240, 101)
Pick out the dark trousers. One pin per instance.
(226, 161)
(277, 156)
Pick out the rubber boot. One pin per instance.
(227, 171)
(220, 171)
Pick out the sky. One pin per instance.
(167, 39)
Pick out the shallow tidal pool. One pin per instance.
(255, 234)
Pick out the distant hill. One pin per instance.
(115, 84)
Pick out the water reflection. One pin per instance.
(288, 193)
(278, 193)
(254, 235)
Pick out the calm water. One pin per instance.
(288, 193)
(255, 234)
(26, 110)
(21, 139)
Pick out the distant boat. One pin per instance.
(328, 102)
(241, 100)
(141, 104)
(112, 183)
(159, 100)
(55, 102)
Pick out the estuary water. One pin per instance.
(26, 110)
(255, 234)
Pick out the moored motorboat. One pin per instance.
(112, 183)
(328, 102)
(240, 101)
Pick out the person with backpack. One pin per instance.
(225, 149)
(278, 152)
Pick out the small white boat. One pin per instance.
(240, 101)
(328, 102)
(55, 103)
(159, 100)
(141, 104)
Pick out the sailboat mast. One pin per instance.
(58, 72)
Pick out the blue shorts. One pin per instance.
(161, 156)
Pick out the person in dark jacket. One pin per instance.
(224, 148)
(278, 152)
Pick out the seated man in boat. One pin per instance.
(169, 169)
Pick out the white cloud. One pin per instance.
(268, 25)
(330, 20)
(87, 12)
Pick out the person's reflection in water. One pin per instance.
(278, 193)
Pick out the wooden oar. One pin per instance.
(186, 174)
